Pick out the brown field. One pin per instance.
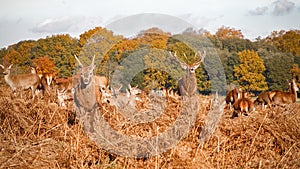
(40, 134)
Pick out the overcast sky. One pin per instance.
(34, 19)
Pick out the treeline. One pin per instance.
(144, 60)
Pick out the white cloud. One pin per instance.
(259, 11)
(283, 7)
(68, 24)
(199, 21)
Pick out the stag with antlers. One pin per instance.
(188, 83)
(87, 91)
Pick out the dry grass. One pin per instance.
(42, 135)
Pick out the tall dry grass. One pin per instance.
(40, 134)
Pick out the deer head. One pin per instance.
(188, 84)
(7, 70)
(87, 72)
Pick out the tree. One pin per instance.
(278, 66)
(44, 64)
(250, 71)
(286, 41)
(296, 73)
(227, 32)
(101, 43)
(58, 48)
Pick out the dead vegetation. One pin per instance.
(41, 134)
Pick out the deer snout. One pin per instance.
(86, 81)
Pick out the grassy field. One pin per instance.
(40, 134)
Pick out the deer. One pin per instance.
(283, 98)
(21, 81)
(66, 83)
(243, 105)
(62, 96)
(44, 84)
(232, 96)
(87, 91)
(188, 83)
(265, 99)
(123, 100)
(84, 95)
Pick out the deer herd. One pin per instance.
(89, 90)
(243, 104)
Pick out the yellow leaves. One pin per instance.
(286, 41)
(250, 71)
(44, 65)
(226, 32)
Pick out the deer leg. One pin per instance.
(32, 92)
(21, 92)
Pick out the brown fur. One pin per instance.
(265, 99)
(21, 81)
(283, 98)
(188, 83)
(244, 105)
(232, 96)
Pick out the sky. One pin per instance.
(34, 19)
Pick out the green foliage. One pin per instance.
(59, 49)
(147, 57)
(250, 71)
(278, 69)
(101, 43)
(20, 55)
(161, 70)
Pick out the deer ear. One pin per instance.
(2, 66)
(10, 66)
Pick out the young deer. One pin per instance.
(243, 105)
(43, 85)
(123, 100)
(265, 99)
(232, 96)
(283, 98)
(85, 94)
(188, 83)
(21, 81)
(62, 96)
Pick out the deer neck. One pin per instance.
(293, 91)
(9, 79)
(191, 77)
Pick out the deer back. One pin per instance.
(243, 105)
(101, 81)
(23, 81)
(233, 95)
(281, 97)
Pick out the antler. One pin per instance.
(201, 56)
(80, 64)
(93, 60)
(182, 64)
